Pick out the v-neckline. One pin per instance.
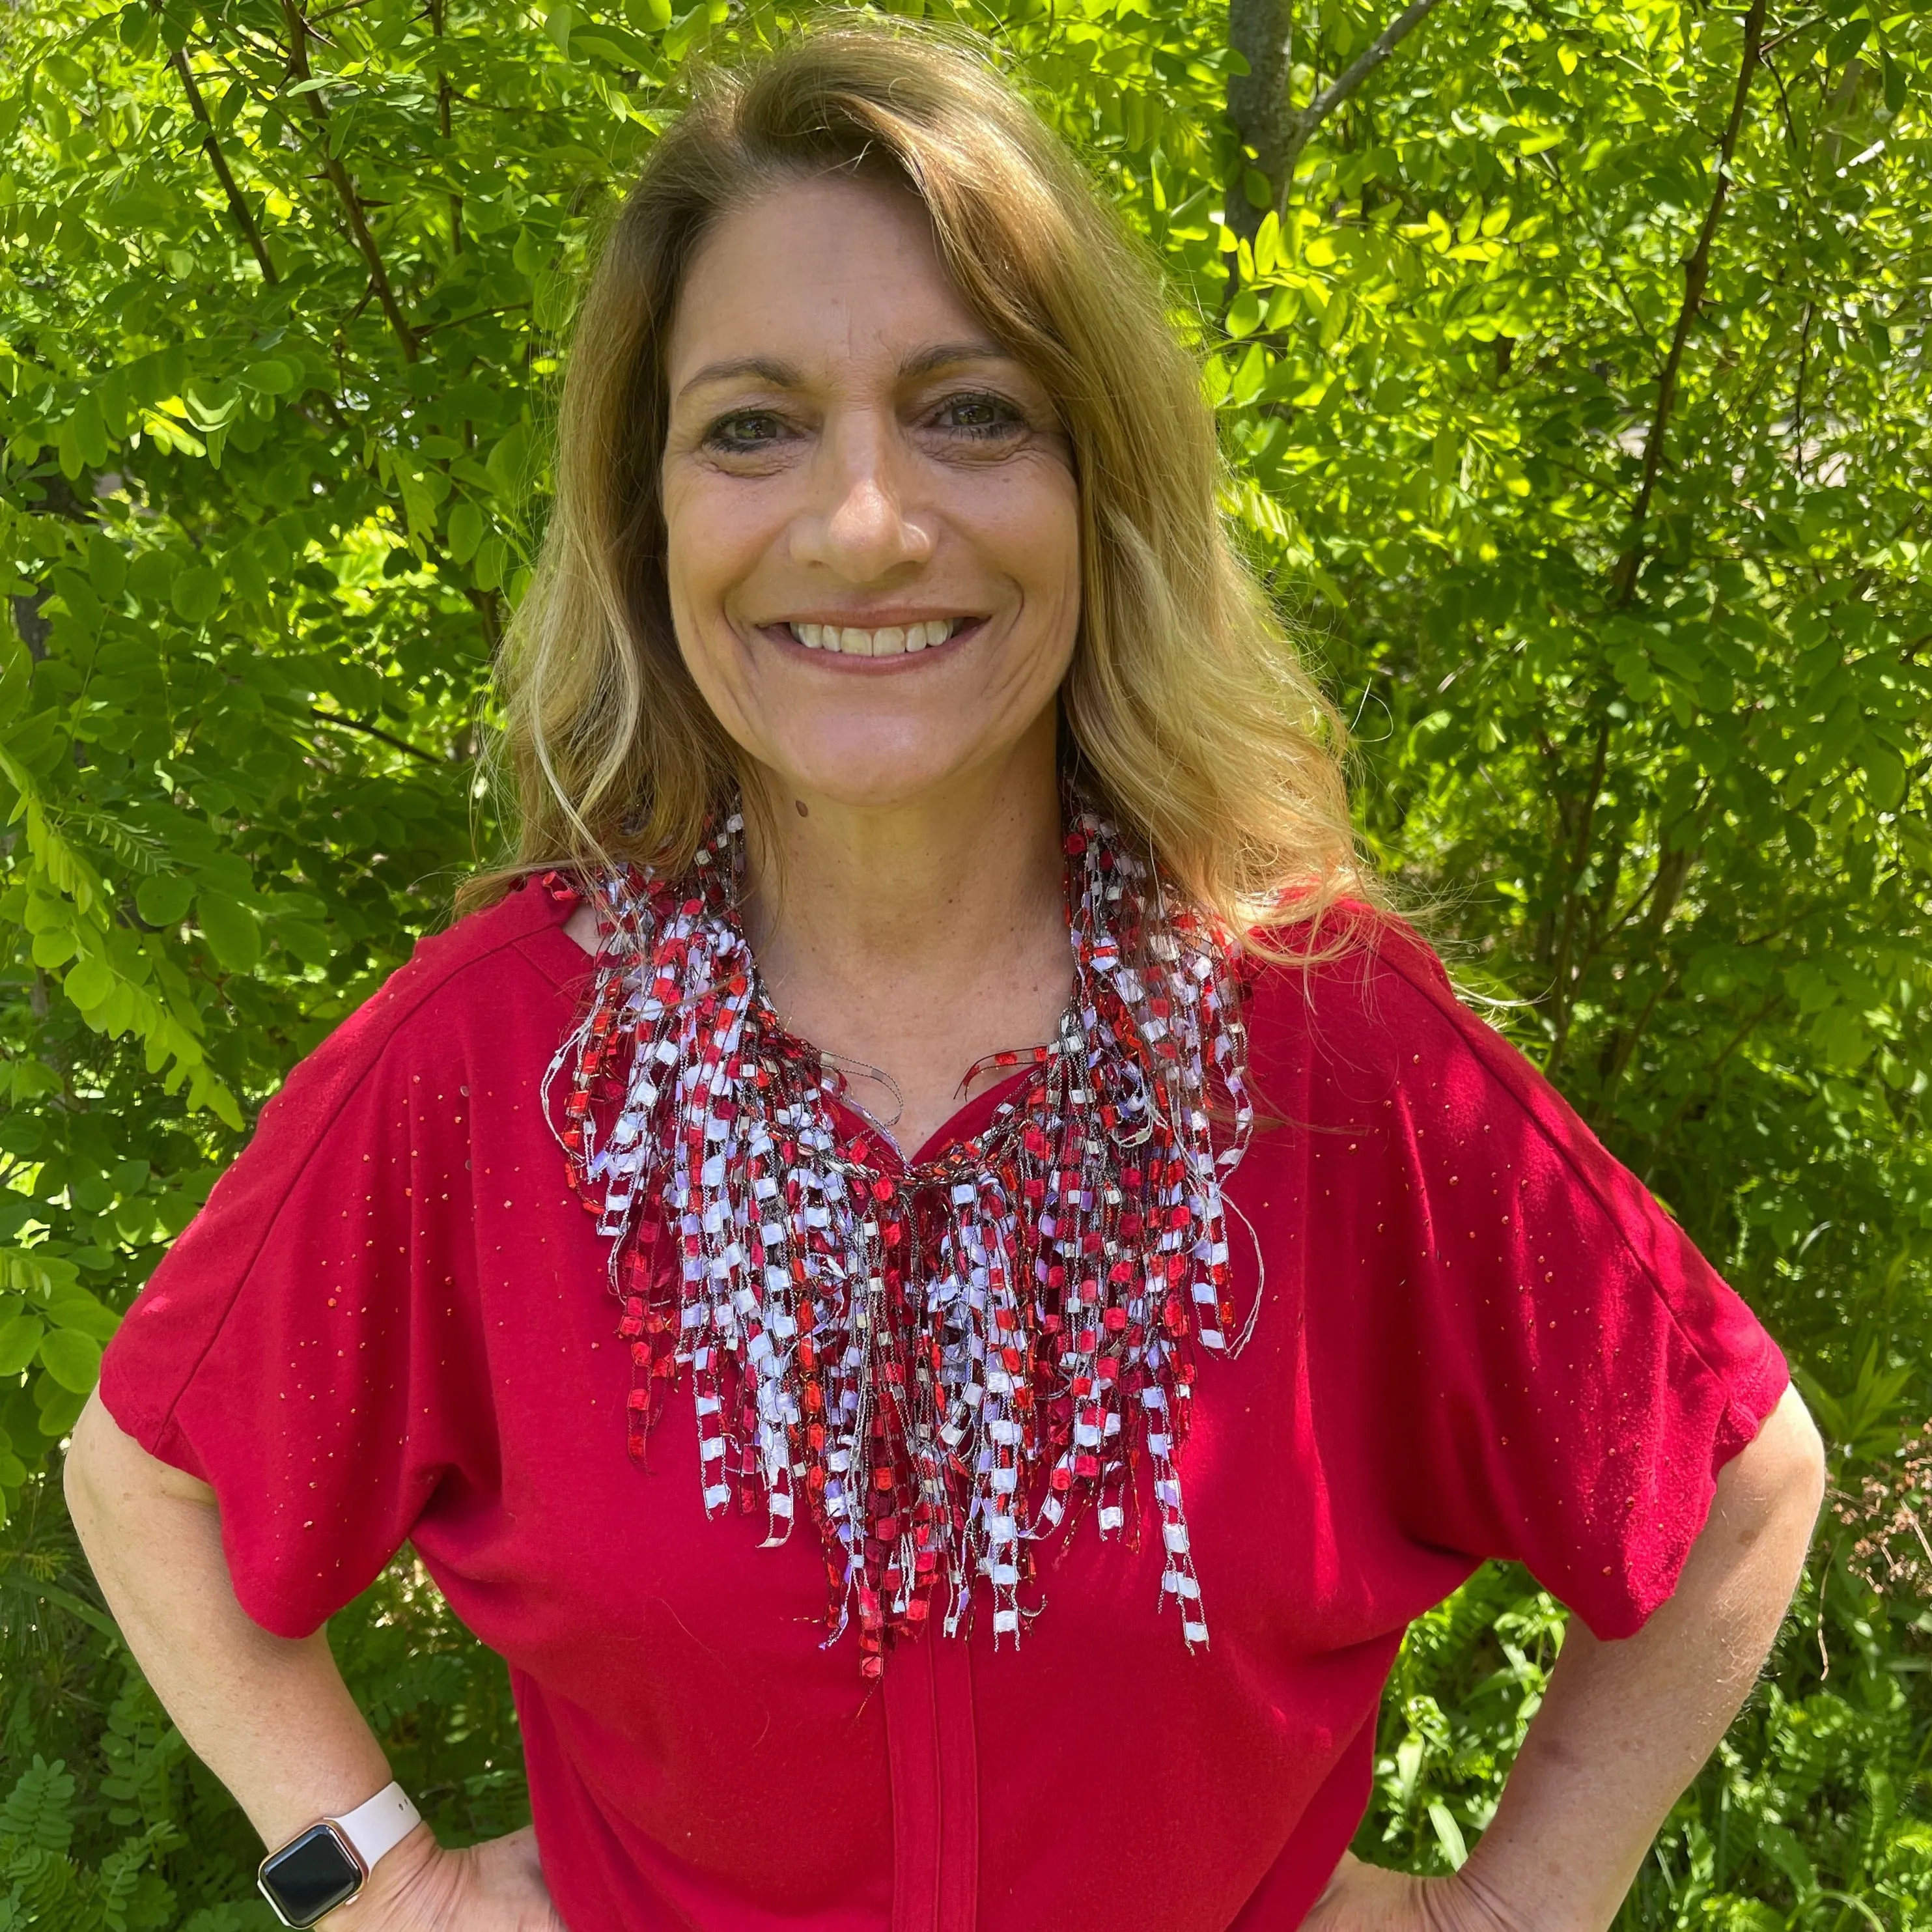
(970, 1117)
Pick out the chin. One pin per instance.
(875, 777)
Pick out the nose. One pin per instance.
(859, 524)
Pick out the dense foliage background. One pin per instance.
(1576, 393)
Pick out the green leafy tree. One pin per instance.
(1572, 366)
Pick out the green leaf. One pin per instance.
(88, 981)
(1897, 85)
(75, 1308)
(163, 899)
(90, 433)
(620, 49)
(271, 376)
(1885, 772)
(507, 463)
(107, 567)
(1847, 40)
(72, 1359)
(231, 929)
(1448, 1834)
(309, 943)
(20, 1343)
(466, 530)
(35, 1270)
(59, 1407)
(554, 297)
(151, 575)
(197, 593)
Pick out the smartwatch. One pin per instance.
(327, 1865)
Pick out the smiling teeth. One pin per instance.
(891, 642)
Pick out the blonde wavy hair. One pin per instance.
(1186, 711)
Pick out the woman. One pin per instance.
(1029, 1476)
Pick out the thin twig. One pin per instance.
(1696, 274)
(237, 207)
(475, 315)
(1563, 978)
(443, 94)
(322, 717)
(1683, 1107)
(345, 188)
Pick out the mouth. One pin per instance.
(889, 640)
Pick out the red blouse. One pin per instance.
(1479, 1337)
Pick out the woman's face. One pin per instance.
(873, 521)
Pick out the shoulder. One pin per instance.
(499, 982)
(519, 937)
(1361, 1012)
(1368, 1033)
(1357, 983)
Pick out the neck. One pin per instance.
(918, 939)
(918, 888)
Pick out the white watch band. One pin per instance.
(380, 1826)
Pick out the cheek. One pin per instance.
(712, 542)
(697, 544)
(1031, 534)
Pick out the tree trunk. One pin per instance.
(1262, 32)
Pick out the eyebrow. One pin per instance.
(784, 376)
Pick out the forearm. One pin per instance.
(1625, 1727)
(270, 1716)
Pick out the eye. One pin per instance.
(748, 430)
(980, 415)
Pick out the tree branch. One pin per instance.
(237, 207)
(1563, 977)
(1262, 31)
(458, 321)
(369, 731)
(1696, 273)
(442, 122)
(1616, 1055)
(488, 607)
(1666, 888)
(1663, 1135)
(345, 188)
(1302, 124)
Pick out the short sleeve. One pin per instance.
(1565, 1373)
(308, 1343)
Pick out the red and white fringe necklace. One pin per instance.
(937, 1363)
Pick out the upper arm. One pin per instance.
(1779, 1474)
(107, 1471)
(1556, 1376)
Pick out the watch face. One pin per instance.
(310, 1875)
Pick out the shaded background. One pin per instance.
(1571, 365)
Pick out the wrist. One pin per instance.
(328, 1780)
(330, 1862)
(404, 1874)
(1478, 1902)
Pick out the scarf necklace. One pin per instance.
(938, 1364)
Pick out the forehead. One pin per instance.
(817, 274)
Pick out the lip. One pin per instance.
(889, 617)
(779, 634)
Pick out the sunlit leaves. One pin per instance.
(256, 557)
